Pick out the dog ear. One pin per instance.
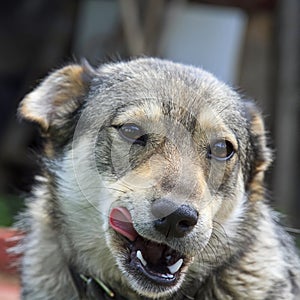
(261, 154)
(60, 94)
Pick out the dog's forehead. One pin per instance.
(166, 81)
(155, 88)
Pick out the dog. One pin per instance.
(151, 187)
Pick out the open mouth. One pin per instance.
(157, 261)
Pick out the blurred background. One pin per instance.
(253, 45)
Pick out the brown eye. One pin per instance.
(221, 150)
(133, 133)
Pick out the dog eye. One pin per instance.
(133, 133)
(221, 150)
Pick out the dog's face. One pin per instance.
(151, 164)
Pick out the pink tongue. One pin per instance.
(120, 220)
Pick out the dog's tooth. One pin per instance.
(167, 276)
(139, 255)
(174, 268)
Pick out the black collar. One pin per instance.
(89, 288)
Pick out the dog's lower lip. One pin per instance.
(173, 268)
(160, 275)
(158, 262)
(161, 278)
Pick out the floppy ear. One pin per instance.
(262, 155)
(60, 94)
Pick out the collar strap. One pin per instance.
(90, 288)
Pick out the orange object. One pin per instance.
(9, 279)
(8, 261)
(9, 290)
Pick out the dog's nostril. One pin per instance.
(184, 224)
(173, 221)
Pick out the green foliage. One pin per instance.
(9, 207)
(5, 216)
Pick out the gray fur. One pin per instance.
(237, 250)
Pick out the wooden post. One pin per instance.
(287, 174)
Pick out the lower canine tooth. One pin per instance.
(141, 258)
(174, 268)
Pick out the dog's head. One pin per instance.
(147, 162)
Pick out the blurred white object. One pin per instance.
(206, 36)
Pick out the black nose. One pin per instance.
(173, 220)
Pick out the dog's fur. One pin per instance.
(237, 249)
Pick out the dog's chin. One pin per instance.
(153, 269)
